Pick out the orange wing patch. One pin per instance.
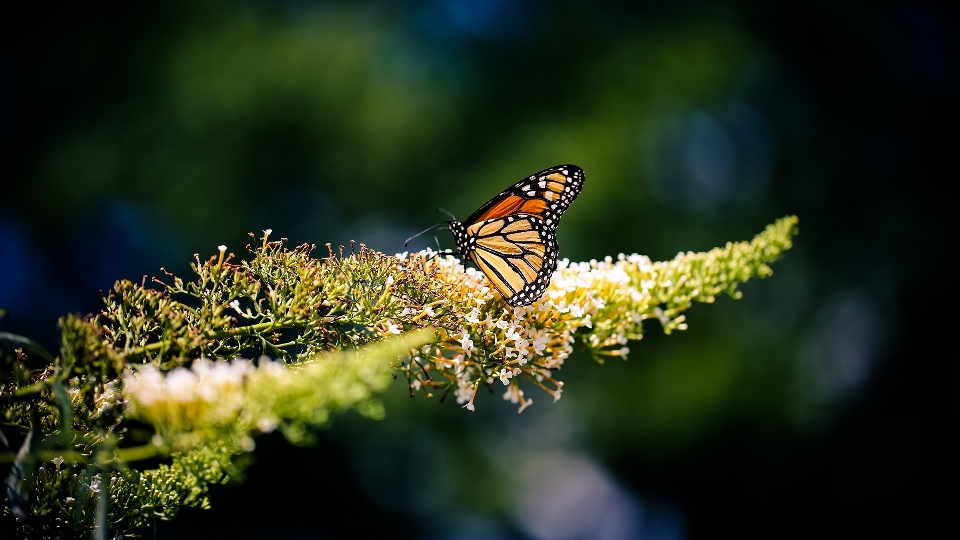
(533, 207)
(528, 271)
(500, 245)
(500, 273)
(557, 177)
(520, 225)
(532, 237)
(486, 229)
(534, 261)
(503, 208)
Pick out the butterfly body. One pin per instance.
(512, 237)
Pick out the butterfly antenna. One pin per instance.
(428, 229)
(447, 213)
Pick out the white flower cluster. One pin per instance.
(208, 393)
(602, 303)
(231, 399)
(494, 342)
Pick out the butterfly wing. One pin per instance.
(518, 254)
(511, 238)
(545, 195)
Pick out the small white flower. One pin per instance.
(526, 403)
(505, 376)
(247, 444)
(266, 424)
(458, 362)
(392, 328)
(539, 342)
(464, 391)
(222, 248)
(236, 306)
(268, 232)
(466, 343)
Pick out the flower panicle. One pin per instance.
(601, 303)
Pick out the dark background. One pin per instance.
(824, 402)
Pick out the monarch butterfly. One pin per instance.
(511, 238)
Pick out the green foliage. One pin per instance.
(159, 374)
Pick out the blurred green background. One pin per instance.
(132, 137)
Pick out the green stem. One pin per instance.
(125, 455)
(32, 389)
(45, 455)
(137, 453)
(242, 331)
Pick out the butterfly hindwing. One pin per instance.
(518, 254)
(546, 195)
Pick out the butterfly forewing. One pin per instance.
(546, 195)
